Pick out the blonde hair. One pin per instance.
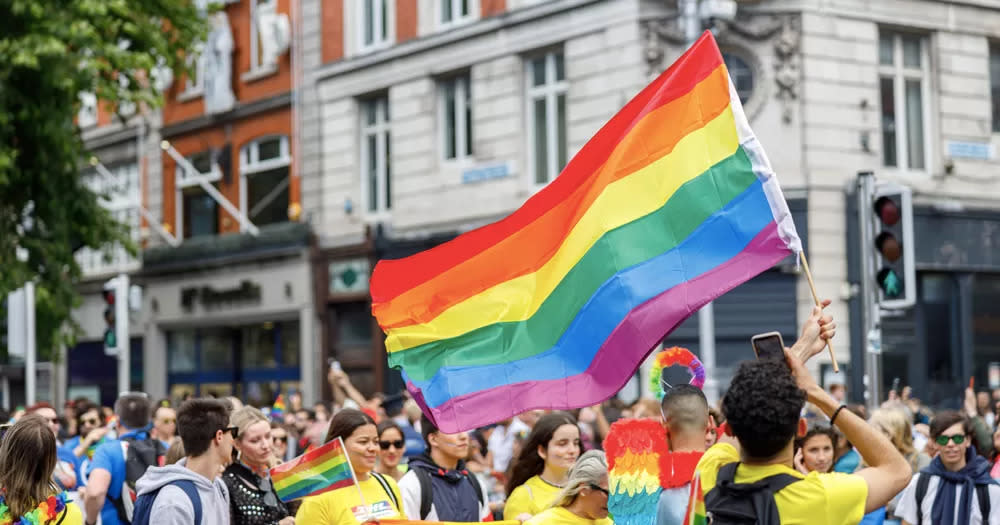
(246, 416)
(896, 423)
(588, 470)
(27, 460)
(176, 451)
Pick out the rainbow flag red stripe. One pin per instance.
(317, 471)
(670, 205)
(696, 514)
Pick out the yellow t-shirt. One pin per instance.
(561, 516)
(820, 499)
(531, 498)
(343, 506)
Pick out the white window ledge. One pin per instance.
(259, 73)
(191, 94)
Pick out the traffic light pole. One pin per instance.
(870, 314)
(122, 334)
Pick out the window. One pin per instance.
(456, 117)
(995, 85)
(376, 169)
(198, 211)
(120, 195)
(742, 75)
(547, 115)
(903, 83)
(264, 169)
(453, 12)
(373, 23)
(87, 116)
(193, 83)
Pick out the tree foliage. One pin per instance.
(51, 51)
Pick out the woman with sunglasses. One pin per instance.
(584, 499)
(392, 447)
(252, 498)
(279, 442)
(375, 497)
(542, 464)
(27, 494)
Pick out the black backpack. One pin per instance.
(427, 494)
(139, 454)
(731, 503)
(982, 494)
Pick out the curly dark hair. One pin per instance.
(763, 406)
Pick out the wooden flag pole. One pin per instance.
(812, 288)
(357, 484)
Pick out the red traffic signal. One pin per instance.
(887, 211)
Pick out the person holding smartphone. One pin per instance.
(763, 407)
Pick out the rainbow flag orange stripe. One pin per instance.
(317, 471)
(670, 205)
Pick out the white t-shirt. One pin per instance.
(907, 508)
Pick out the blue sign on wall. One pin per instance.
(970, 150)
(490, 172)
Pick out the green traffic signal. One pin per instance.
(110, 339)
(891, 283)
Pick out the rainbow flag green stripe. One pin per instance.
(686, 209)
(320, 470)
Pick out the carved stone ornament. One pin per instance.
(274, 30)
(786, 65)
(218, 59)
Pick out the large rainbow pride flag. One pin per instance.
(670, 205)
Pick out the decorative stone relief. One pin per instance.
(218, 59)
(786, 66)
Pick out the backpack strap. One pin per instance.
(426, 494)
(923, 480)
(388, 490)
(192, 493)
(765, 508)
(475, 485)
(983, 492)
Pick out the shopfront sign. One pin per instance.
(209, 297)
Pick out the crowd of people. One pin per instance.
(777, 449)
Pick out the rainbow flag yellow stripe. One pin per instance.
(317, 471)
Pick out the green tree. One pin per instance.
(51, 51)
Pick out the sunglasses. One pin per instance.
(91, 422)
(283, 439)
(605, 491)
(399, 443)
(233, 431)
(957, 439)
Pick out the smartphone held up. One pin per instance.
(768, 346)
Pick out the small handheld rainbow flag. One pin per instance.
(320, 470)
(696, 514)
(278, 408)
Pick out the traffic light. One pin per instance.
(892, 232)
(110, 332)
(116, 299)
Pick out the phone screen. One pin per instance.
(769, 347)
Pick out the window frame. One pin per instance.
(123, 204)
(381, 11)
(994, 54)
(251, 165)
(382, 130)
(550, 91)
(899, 73)
(456, 6)
(197, 88)
(256, 67)
(182, 182)
(463, 114)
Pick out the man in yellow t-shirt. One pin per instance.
(762, 409)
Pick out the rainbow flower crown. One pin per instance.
(670, 357)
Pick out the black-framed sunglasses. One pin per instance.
(4, 428)
(233, 431)
(283, 439)
(605, 491)
(399, 444)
